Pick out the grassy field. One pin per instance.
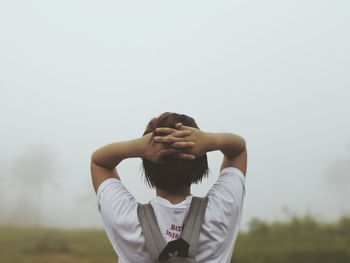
(298, 241)
(302, 240)
(42, 245)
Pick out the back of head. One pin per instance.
(173, 174)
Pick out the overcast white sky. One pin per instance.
(76, 75)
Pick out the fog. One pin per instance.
(77, 75)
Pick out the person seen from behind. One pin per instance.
(173, 152)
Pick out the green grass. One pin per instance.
(43, 245)
(302, 240)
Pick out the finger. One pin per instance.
(182, 145)
(182, 127)
(166, 139)
(175, 137)
(185, 156)
(181, 133)
(166, 130)
(166, 152)
(178, 125)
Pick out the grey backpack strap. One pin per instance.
(155, 242)
(193, 223)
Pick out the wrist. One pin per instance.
(143, 143)
(212, 141)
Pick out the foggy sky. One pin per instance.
(77, 75)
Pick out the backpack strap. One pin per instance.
(193, 223)
(154, 240)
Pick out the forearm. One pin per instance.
(228, 143)
(109, 156)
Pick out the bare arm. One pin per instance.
(234, 149)
(105, 159)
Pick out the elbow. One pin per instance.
(93, 157)
(243, 144)
(99, 160)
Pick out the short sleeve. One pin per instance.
(118, 209)
(230, 186)
(222, 216)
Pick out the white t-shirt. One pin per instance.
(118, 209)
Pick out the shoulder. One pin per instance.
(225, 197)
(118, 209)
(229, 186)
(222, 216)
(115, 202)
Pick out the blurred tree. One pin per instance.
(338, 177)
(258, 226)
(31, 172)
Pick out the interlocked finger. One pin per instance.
(178, 125)
(185, 156)
(166, 130)
(181, 133)
(167, 152)
(168, 139)
(182, 145)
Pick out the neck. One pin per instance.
(175, 197)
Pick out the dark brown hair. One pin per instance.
(173, 174)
